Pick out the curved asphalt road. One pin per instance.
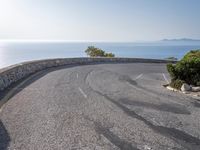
(103, 107)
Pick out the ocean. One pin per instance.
(16, 52)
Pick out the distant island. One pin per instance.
(181, 40)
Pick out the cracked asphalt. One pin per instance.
(100, 107)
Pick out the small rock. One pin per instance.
(185, 92)
(196, 89)
(196, 95)
(147, 147)
(172, 89)
(185, 87)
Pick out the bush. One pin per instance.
(109, 55)
(187, 69)
(94, 52)
(171, 70)
(176, 84)
(97, 52)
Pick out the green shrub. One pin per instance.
(94, 52)
(109, 55)
(187, 69)
(171, 70)
(176, 84)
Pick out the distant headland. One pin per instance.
(181, 40)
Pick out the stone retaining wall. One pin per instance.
(12, 74)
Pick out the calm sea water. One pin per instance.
(12, 53)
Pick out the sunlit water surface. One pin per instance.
(13, 52)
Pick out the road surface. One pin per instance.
(100, 107)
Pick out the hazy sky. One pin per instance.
(99, 20)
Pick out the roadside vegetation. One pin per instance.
(97, 52)
(187, 70)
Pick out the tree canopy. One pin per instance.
(97, 52)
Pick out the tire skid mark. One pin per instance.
(152, 93)
(188, 141)
(135, 85)
(114, 139)
(122, 144)
(196, 104)
(161, 107)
